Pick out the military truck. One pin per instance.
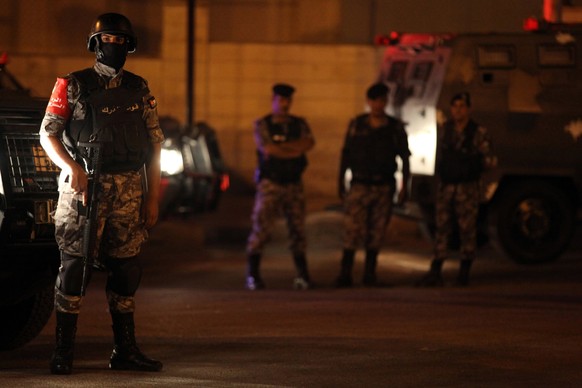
(526, 88)
(29, 256)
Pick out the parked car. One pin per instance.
(193, 172)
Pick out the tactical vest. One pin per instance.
(371, 152)
(458, 165)
(113, 116)
(280, 170)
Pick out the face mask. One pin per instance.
(111, 54)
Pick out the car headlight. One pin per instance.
(171, 162)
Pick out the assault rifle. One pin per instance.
(93, 166)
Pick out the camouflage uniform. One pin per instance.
(370, 154)
(462, 154)
(460, 200)
(367, 212)
(279, 190)
(103, 115)
(120, 230)
(271, 199)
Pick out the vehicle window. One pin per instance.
(550, 55)
(397, 72)
(496, 56)
(422, 71)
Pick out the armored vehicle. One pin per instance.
(526, 89)
(29, 257)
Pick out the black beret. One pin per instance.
(465, 97)
(377, 90)
(283, 90)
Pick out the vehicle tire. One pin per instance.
(534, 222)
(24, 320)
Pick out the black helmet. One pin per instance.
(115, 24)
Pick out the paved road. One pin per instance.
(514, 326)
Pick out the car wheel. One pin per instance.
(534, 222)
(23, 321)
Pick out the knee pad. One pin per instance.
(69, 304)
(124, 275)
(120, 304)
(70, 277)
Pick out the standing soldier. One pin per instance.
(463, 152)
(282, 141)
(372, 143)
(98, 104)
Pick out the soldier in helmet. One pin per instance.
(108, 104)
(282, 141)
(372, 143)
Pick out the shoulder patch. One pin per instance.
(58, 103)
(152, 102)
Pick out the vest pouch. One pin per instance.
(78, 131)
(284, 171)
(135, 139)
(372, 155)
(295, 169)
(464, 164)
(460, 167)
(128, 149)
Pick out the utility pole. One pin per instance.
(190, 67)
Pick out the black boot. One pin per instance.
(254, 281)
(344, 279)
(62, 358)
(370, 268)
(434, 277)
(301, 282)
(126, 355)
(464, 269)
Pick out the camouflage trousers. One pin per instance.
(271, 200)
(120, 231)
(461, 202)
(367, 210)
(71, 304)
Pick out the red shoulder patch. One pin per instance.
(58, 103)
(152, 102)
